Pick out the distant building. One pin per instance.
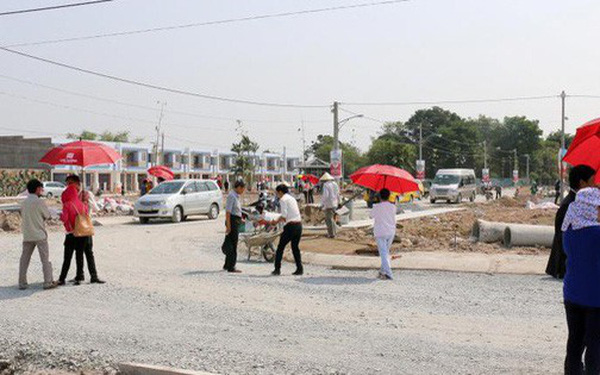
(18, 152)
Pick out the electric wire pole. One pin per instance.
(336, 132)
(160, 117)
(420, 141)
(563, 96)
(485, 158)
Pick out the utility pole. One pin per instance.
(284, 166)
(421, 141)
(160, 117)
(527, 157)
(563, 96)
(336, 131)
(162, 149)
(516, 160)
(485, 159)
(303, 143)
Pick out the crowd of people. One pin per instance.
(79, 233)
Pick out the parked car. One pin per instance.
(53, 189)
(453, 185)
(178, 199)
(371, 197)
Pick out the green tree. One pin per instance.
(393, 147)
(518, 133)
(351, 155)
(106, 136)
(449, 141)
(245, 151)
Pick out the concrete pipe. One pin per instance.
(528, 235)
(487, 231)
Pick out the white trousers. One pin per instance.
(383, 245)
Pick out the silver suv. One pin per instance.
(53, 189)
(178, 199)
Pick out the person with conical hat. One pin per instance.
(330, 200)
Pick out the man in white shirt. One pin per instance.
(292, 230)
(384, 229)
(330, 200)
(34, 214)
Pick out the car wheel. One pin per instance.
(184, 218)
(177, 214)
(213, 213)
(49, 195)
(459, 198)
(144, 220)
(432, 201)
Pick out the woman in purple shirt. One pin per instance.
(581, 288)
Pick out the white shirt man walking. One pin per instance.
(330, 200)
(384, 229)
(34, 214)
(292, 230)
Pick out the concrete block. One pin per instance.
(142, 369)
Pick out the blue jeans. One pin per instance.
(383, 245)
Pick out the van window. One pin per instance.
(446, 179)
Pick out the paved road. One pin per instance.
(167, 302)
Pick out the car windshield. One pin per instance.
(167, 188)
(446, 179)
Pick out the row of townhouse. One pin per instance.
(132, 169)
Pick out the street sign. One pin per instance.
(485, 175)
(420, 170)
(336, 163)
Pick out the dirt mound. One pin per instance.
(448, 232)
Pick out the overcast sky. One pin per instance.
(419, 50)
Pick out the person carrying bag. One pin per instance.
(78, 240)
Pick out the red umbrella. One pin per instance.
(82, 154)
(377, 177)
(160, 171)
(586, 146)
(310, 177)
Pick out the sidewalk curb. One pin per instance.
(142, 369)
(438, 261)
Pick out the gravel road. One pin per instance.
(167, 302)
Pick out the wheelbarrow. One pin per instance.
(263, 240)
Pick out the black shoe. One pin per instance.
(298, 273)
(97, 281)
(276, 273)
(60, 283)
(76, 279)
(76, 282)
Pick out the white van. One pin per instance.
(453, 185)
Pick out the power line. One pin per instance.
(466, 101)
(149, 108)
(211, 23)
(54, 7)
(127, 118)
(161, 88)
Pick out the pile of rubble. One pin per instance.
(446, 232)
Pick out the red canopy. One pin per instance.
(585, 148)
(310, 177)
(82, 154)
(161, 171)
(377, 177)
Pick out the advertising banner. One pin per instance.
(336, 163)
